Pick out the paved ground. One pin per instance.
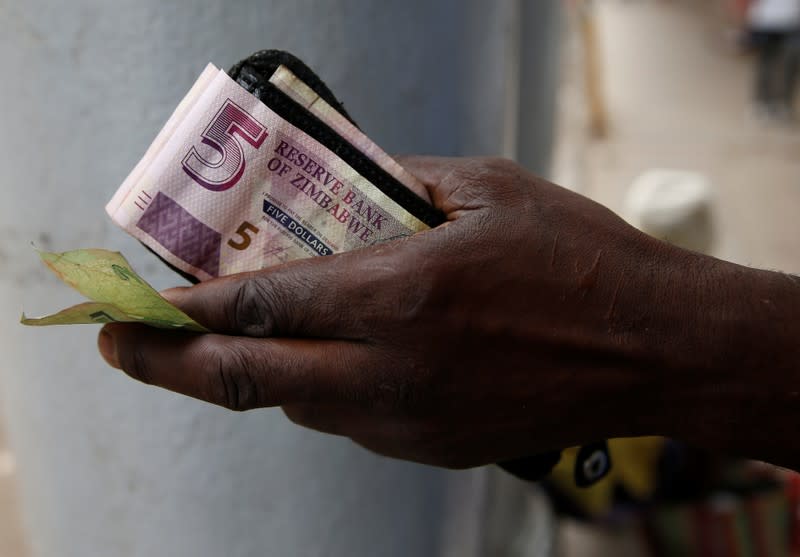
(677, 97)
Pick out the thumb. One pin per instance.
(313, 297)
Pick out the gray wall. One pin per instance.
(113, 468)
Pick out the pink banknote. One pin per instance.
(230, 186)
(293, 86)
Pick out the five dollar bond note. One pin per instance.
(229, 185)
(236, 183)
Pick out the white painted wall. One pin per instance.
(110, 467)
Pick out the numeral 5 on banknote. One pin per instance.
(243, 232)
(237, 181)
(229, 126)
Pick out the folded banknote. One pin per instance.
(246, 174)
(235, 182)
(117, 293)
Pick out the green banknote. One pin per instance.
(116, 291)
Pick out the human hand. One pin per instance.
(514, 328)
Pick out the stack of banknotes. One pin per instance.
(247, 173)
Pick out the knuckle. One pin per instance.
(136, 364)
(416, 433)
(479, 169)
(406, 303)
(455, 461)
(444, 454)
(233, 383)
(264, 305)
(499, 164)
(296, 415)
(483, 182)
(305, 415)
(253, 307)
(400, 394)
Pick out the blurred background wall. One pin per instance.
(111, 467)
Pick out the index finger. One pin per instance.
(431, 171)
(457, 183)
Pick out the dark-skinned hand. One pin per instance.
(533, 319)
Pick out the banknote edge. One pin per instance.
(184, 107)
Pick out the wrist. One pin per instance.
(729, 370)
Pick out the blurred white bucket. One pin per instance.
(673, 205)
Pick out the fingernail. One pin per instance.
(108, 348)
(172, 295)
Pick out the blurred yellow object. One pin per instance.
(634, 466)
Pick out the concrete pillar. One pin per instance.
(112, 467)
